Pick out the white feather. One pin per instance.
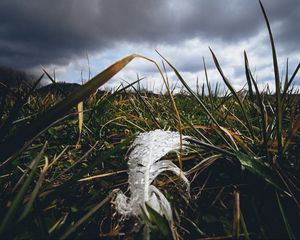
(144, 166)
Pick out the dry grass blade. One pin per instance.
(101, 175)
(80, 116)
(80, 122)
(236, 215)
(204, 164)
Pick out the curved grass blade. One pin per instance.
(25, 135)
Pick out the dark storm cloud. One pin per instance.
(34, 32)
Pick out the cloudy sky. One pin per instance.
(71, 36)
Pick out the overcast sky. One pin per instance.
(65, 34)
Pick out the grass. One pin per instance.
(62, 156)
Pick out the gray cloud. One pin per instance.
(44, 32)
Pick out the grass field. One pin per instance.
(62, 155)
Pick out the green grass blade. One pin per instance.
(233, 92)
(191, 91)
(244, 227)
(248, 77)
(259, 169)
(217, 89)
(261, 107)
(290, 81)
(260, 223)
(160, 222)
(286, 80)
(278, 88)
(286, 223)
(208, 84)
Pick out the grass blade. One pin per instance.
(248, 77)
(25, 135)
(294, 130)
(35, 191)
(197, 99)
(208, 84)
(87, 216)
(236, 214)
(286, 223)
(17, 201)
(233, 92)
(261, 107)
(16, 109)
(80, 116)
(244, 227)
(259, 169)
(290, 81)
(278, 88)
(160, 222)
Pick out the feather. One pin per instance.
(145, 165)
